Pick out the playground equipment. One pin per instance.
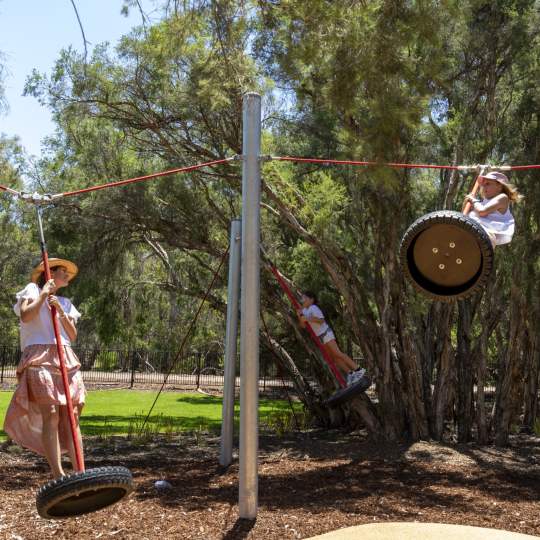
(446, 255)
(429, 243)
(85, 490)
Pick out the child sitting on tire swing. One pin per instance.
(312, 314)
(493, 212)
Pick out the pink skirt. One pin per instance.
(40, 383)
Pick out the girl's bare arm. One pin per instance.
(498, 203)
(30, 307)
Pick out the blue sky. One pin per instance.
(32, 33)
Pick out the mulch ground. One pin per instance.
(309, 483)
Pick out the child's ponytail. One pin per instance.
(512, 192)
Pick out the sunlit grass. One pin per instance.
(120, 412)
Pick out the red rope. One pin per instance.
(393, 165)
(9, 190)
(364, 163)
(523, 167)
(327, 358)
(143, 178)
(79, 460)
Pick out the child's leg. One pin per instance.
(343, 361)
(51, 443)
(65, 418)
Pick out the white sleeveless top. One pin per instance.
(498, 226)
(39, 331)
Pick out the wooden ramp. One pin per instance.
(420, 531)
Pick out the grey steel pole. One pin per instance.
(231, 337)
(250, 301)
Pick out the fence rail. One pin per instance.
(141, 367)
(137, 367)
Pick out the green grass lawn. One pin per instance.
(109, 412)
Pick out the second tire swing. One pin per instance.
(447, 255)
(83, 491)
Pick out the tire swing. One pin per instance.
(85, 490)
(347, 393)
(447, 255)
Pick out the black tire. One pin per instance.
(349, 392)
(446, 255)
(83, 492)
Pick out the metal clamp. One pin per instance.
(39, 199)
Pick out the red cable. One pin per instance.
(523, 167)
(393, 165)
(365, 163)
(9, 190)
(143, 178)
(327, 358)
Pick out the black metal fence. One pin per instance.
(136, 367)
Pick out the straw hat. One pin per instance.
(497, 176)
(71, 268)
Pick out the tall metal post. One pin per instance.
(250, 301)
(231, 337)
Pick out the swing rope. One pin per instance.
(144, 178)
(400, 165)
(186, 335)
(36, 197)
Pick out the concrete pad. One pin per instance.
(416, 531)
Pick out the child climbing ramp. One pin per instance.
(492, 212)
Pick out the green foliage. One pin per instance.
(105, 361)
(439, 82)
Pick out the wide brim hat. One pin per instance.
(71, 268)
(497, 176)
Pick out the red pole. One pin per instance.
(60, 349)
(327, 358)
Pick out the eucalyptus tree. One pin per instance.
(386, 81)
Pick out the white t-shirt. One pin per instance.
(314, 311)
(39, 331)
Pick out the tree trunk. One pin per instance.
(531, 384)
(444, 392)
(510, 387)
(465, 372)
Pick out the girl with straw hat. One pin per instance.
(37, 415)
